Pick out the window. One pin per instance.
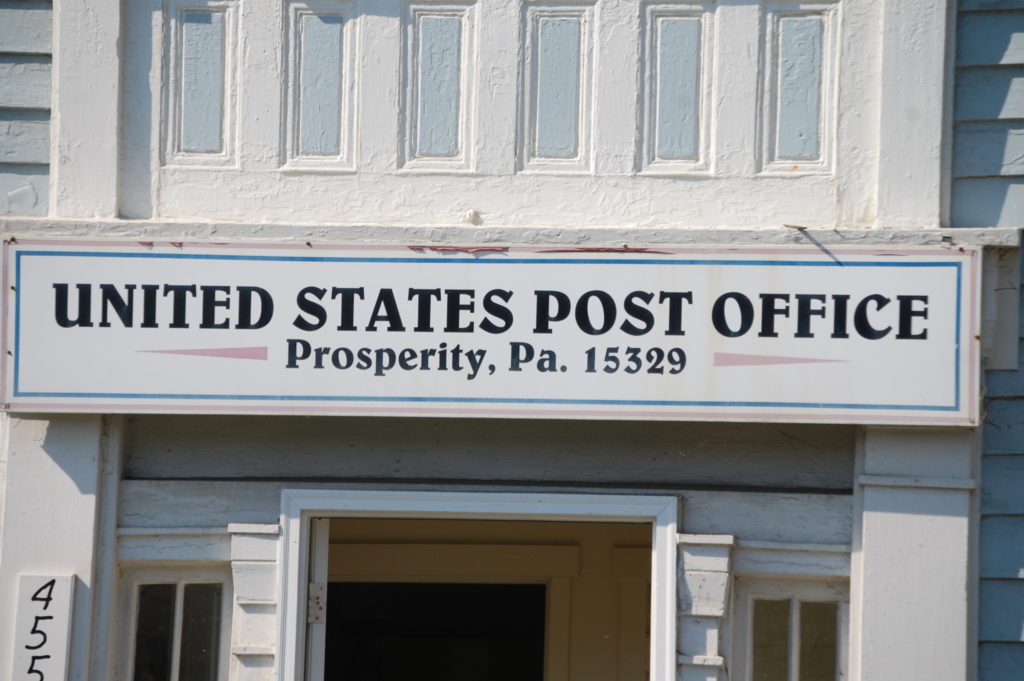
(790, 630)
(179, 629)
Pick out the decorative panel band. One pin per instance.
(676, 78)
(557, 89)
(200, 85)
(320, 89)
(439, 89)
(798, 94)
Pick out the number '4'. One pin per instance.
(48, 588)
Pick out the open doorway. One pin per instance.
(489, 586)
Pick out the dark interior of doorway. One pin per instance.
(434, 632)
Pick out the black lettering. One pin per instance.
(839, 306)
(348, 296)
(456, 307)
(608, 312)
(210, 305)
(390, 313)
(721, 323)
(638, 312)
(804, 312)
(178, 310)
(306, 304)
(245, 320)
(123, 307)
(907, 314)
(423, 307)
(860, 318)
(770, 310)
(496, 309)
(544, 315)
(675, 310)
(60, 309)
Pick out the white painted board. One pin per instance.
(797, 334)
(42, 628)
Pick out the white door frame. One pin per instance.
(299, 507)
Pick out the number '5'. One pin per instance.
(37, 630)
(32, 666)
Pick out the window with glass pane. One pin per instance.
(177, 632)
(794, 640)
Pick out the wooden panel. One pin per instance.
(1005, 383)
(438, 47)
(988, 202)
(25, 27)
(425, 561)
(990, 38)
(320, 65)
(578, 452)
(1001, 610)
(1002, 480)
(677, 87)
(24, 137)
(24, 189)
(1004, 427)
(798, 94)
(1002, 546)
(201, 81)
(989, 93)
(24, 82)
(984, 149)
(1000, 661)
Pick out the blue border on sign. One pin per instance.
(492, 400)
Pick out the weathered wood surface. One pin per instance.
(24, 82)
(25, 27)
(987, 149)
(24, 189)
(814, 518)
(999, 661)
(1004, 426)
(652, 454)
(24, 137)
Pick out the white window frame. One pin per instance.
(143, 576)
(795, 590)
(300, 507)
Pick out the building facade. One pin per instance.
(152, 537)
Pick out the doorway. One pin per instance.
(600, 568)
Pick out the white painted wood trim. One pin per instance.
(85, 101)
(471, 235)
(911, 181)
(299, 507)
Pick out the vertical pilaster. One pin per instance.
(254, 552)
(49, 525)
(911, 583)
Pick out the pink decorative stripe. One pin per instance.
(230, 353)
(728, 359)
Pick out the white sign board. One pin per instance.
(42, 628)
(798, 334)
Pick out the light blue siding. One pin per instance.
(202, 82)
(24, 136)
(24, 82)
(989, 94)
(25, 27)
(1005, 383)
(1002, 545)
(983, 149)
(988, 202)
(1004, 427)
(440, 66)
(990, 38)
(975, 5)
(1003, 490)
(24, 189)
(678, 87)
(1002, 601)
(799, 88)
(320, 84)
(558, 87)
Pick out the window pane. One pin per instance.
(771, 641)
(818, 624)
(200, 632)
(154, 633)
